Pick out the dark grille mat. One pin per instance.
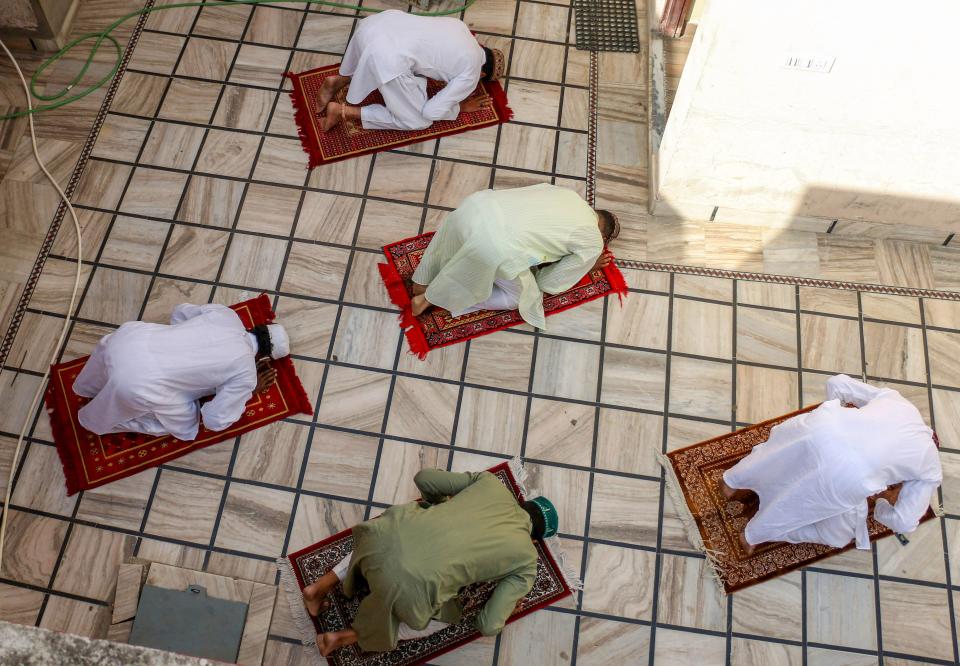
(607, 25)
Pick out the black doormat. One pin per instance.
(607, 25)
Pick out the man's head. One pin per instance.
(272, 341)
(494, 66)
(609, 225)
(543, 517)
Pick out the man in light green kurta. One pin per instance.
(523, 242)
(413, 560)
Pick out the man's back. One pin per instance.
(415, 560)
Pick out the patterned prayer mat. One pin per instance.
(305, 566)
(90, 460)
(713, 523)
(437, 328)
(346, 140)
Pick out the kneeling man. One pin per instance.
(504, 249)
(395, 53)
(413, 559)
(149, 378)
(815, 473)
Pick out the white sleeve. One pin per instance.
(585, 249)
(445, 105)
(186, 311)
(849, 390)
(905, 515)
(231, 399)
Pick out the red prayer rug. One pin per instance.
(91, 460)
(438, 328)
(714, 524)
(347, 140)
(305, 566)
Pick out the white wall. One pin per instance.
(877, 139)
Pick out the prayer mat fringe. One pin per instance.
(553, 544)
(302, 621)
(301, 118)
(688, 521)
(397, 291)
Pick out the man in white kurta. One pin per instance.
(814, 474)
(149, 378)
(504, 249)
(395, 53)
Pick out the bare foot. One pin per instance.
(726, 490)
(747, 548)
(331, 116)
(334, 640)
(331, 86)
(315, 594)
(419, 305)
(419, 289)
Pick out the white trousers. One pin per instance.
(505, 296)
(405, 632)
(404, 98)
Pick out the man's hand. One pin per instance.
(476, 104)
(604, 260)
(266, 375)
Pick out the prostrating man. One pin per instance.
(395, 53)
(814, 474)
(504, 249)
(149, 378)
(413, 559)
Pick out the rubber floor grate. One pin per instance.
(607, 25)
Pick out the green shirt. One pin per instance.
(414, 558)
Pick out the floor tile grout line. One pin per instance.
(658, 560)
(734, 406)
(72, 324)
(250, 179)
(311, 430)
(305, 461)
(85, 522)
(276, 135)
(873, 546)
(945, 541)
(225, 494)
(282, 87)
(798, 319)
(146, 297)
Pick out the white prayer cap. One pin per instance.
(279, 341)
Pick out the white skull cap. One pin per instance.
(279, 340)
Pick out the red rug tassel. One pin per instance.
(399, 296)
(63, 433)
(500, 103)
(617, 282)
(301, 116)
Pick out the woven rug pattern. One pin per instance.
(438, 328)
(311, 563)
(696, 471)
(91, 460)
(348, 140)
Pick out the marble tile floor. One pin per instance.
(196, 192)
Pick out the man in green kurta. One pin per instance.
(413, 560)
(505, 249)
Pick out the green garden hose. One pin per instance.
(60, 98)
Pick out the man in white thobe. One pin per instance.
(814, 474)
(395, 53)
(149, 378)
(504, 249)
